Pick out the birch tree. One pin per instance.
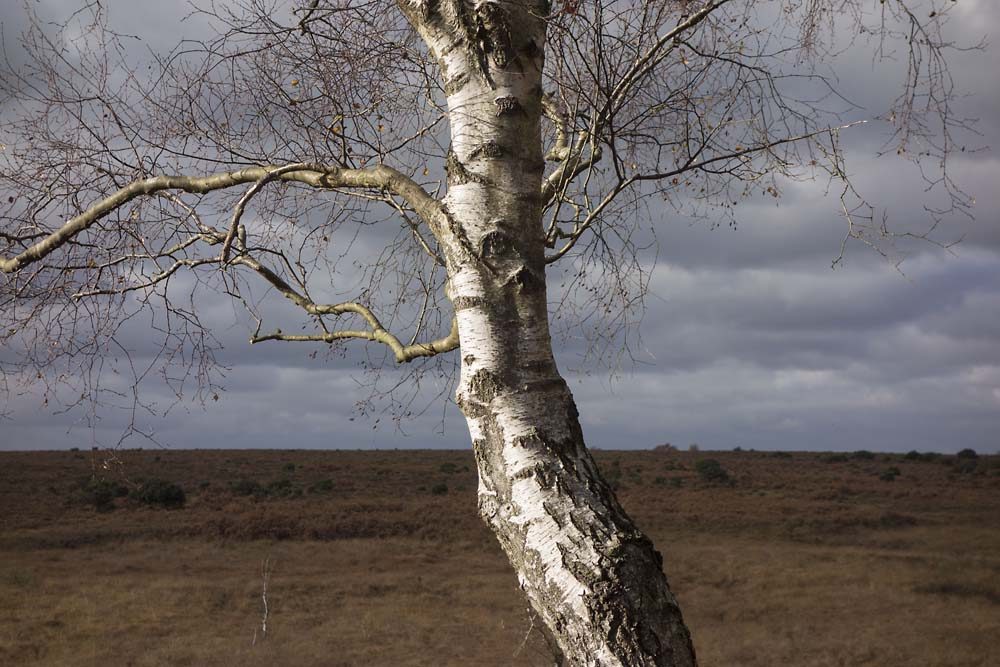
(488, 146)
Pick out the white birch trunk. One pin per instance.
(594, 579)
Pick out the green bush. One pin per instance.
(863, 454)
(923, 457)
(101, 493)
(834, 458)
(889, 474)
(711, 470)
(439, 489)
(966, 466)
(967, 454)
(288, 467)
(613, 475)
(448, 468)
(245, 487)
(322, 486)
(281, 488)
(160, 492)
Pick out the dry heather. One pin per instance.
(379, 559)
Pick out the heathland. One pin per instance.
(154, 557)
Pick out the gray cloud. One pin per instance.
(749, 337)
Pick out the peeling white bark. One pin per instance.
(591, 575)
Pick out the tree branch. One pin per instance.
(318, 176)
(377, 332)
(573, 164)
(653, 56)
(552, 111)
(690, 165)
(403, 353)
(573, 161)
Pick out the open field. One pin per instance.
(379, 558)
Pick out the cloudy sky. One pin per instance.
(750, 338)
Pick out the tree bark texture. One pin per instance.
(593, 578)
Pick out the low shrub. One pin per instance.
(160, 492)
(439, 489)
(967, 454)
(245, 487)
(19, 579)
(448, 468)
(101, 493)
(281, 488)
(923, 457)
(892, 520)
(711, 471)
(889, 474)
(834, 458)
(322, 486)
(966, 466)
(959, 589)
(613, 475)
(863, 454)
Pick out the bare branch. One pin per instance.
(158, 278)
(691, 165)
(653, 57)
(377, 331)
(403, 353)
(315, 175)
(254, 189)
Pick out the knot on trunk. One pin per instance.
(507, 104)
(494, 35)
(463, 302)
(489, 149)
(488, 505)
(534, 439)
(456, 83)
(526, 281)
(458, 174)
(496, 244)
(485, 385)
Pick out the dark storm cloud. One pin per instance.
(749, 339)
(924, 370)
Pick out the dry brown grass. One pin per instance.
(797, 562)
